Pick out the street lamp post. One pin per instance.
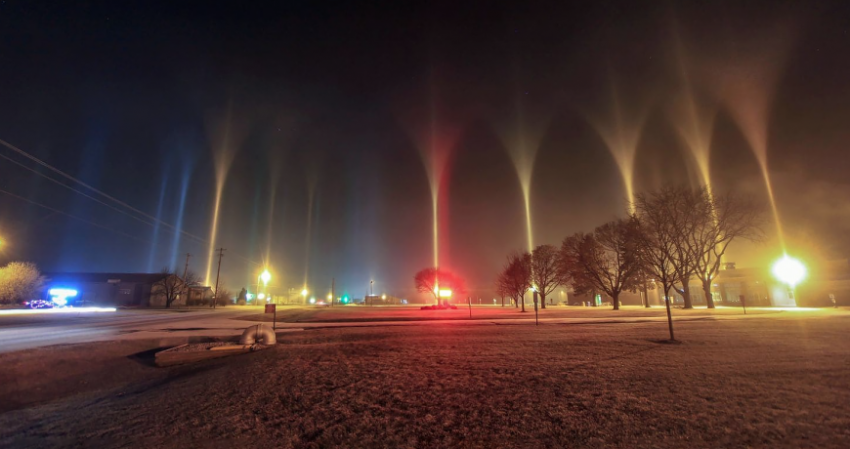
(371, 295)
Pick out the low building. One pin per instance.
(199, 295)
(115, 289)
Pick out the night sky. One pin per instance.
(332, 124)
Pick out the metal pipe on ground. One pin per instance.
(258, 334)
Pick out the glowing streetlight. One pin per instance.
(446, 293)
(789, 271)
(384, 296)
(261, 296)
(304, 293)
(265, 276)
(330, 296)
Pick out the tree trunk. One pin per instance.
(686, 296)
(706, 289)
(646, 296)
(542, 300)
(669, 315)
(503, 301)
(615, 299)
(522, 298)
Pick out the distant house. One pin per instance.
(198, 295)
(758, 287)
(113, 289)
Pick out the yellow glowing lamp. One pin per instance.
(446, 293)
(304, 292)
(266, 276)
(261, 296)
(789, 271)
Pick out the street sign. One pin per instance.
(271, 308)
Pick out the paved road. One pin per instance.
(18, 332)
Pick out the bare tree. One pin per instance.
(692, 211)
(644, 279)
(222, 296)
(432, 280)
(545, 275)
(426, 281)
(657, 240)
(190, 279)
(19, 282)
(730, 217)
(502, 288)
(169, 286)
(606, 260)
(515, 278)
(685, 211)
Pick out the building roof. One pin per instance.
(137, 278)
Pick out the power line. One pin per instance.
(93, 189)
(57, 211)
(76, 191)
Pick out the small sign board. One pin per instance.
(270, 308)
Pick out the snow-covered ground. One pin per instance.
(770, 380)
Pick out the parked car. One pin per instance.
(39, 304)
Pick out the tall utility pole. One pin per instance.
(333, 291)
(217, 274)
(371, 295)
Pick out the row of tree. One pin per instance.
(675, 235)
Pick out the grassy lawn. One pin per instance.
(759, 382)
(354, 314)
